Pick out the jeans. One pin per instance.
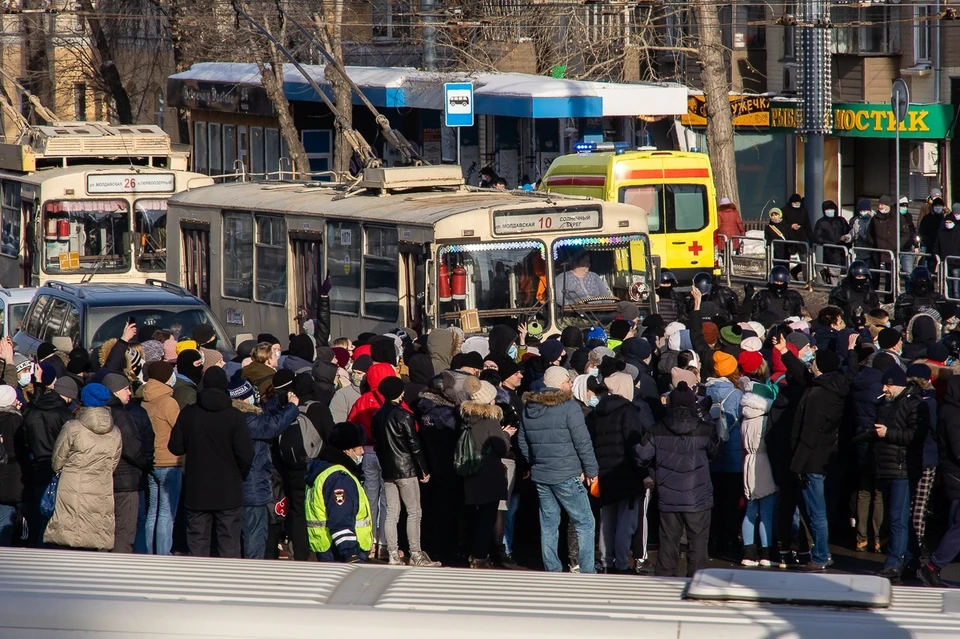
(253, 532)
(761, 509)
(815, 505)
(408, 491)
(618, 522)
(373, 487)
(869, 496)
(572, 496)
(896, 494)
(907, 262)
(8, 520)
(950, 544)
(509, 522)
(163, 496)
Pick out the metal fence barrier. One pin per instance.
(950, 278)
(746, 266)
(794, 248)
(818, 267)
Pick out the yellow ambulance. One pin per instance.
(674, 189)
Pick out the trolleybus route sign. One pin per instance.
(131, 183)
(507, 224)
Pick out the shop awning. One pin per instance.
(504, 94)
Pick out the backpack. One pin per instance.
(467, 458)
(300, 442)
(719, 418)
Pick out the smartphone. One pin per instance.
(131, 320)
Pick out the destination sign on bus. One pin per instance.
(131, 183)
(514, 222)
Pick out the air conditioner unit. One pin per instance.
(925, 158)
(790, 84)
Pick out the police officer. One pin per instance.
(920, 295)
(724, 297)
(669, 303)
(339, 525)
(854, 295)
(778, 297)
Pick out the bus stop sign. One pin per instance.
(900, 100)
(458, 104)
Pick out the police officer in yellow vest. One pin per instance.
(338, 514)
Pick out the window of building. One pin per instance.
(216, 159)
(874, 29)
(271, 146)
(256, 150)
(10, 245)
(922, 16)
(755, 37)
(391, 19)
(381, 274)
(318, 143)
(238, 255)
(344, 249)
(80, 102)
(229, 147)
(271, 283)
(200, 147)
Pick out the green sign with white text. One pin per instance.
(923, 121)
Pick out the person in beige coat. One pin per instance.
(86, 454)
(165, 479)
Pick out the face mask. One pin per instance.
(776, 220)
(357, 459)
(830, 212)
(864, 213)
(172, 381)
(594, 372)
(512, 351)
(949, 225)
(809, 356)
(356, 378)
(24, 378)
(795, 205)
(593, 401)
(883, 210)
(251, 400)
(938, 209)
(904, 210)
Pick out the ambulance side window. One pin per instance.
(686, 206)
(648, 198)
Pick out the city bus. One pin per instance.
(408, 246)
(86, 200)
(60, 594)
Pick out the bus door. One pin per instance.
(307, 249)
(196, 258)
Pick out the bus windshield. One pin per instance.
(592, 274)
(150, 224)
(499, 279)
(96, 230)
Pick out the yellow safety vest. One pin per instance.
(317, 531)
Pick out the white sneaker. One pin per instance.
(395, 559)
(575, 569)
(752, 563)
(766, 563)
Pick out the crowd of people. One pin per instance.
(718, 426)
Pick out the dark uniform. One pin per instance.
(783, 302)
(911, 303)
(854, 299)
(724, 298)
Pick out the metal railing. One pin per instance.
(950, 283)
(817, 267)
(886, 281)
(798, 256)
(745, 266)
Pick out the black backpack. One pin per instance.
(301, 442)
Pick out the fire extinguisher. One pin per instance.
(444, 282)
(460, 283)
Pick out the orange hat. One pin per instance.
(724, 364)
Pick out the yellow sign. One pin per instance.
(69, 261)
(748, 110)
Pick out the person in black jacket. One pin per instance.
(798, 230)
(854, 295)
(814, 438)
(214, 437)
(136, 458)
(920, 295)
(669, 303)
(325, 375)
(947, 244)
(615, 428)
(902, 423)
(948, 441)
(726, 301)
(829, 230)
(403, 468)
(682, 446)
(11, 472)
(778, 298)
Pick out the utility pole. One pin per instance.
(427, 9)
(815, 90)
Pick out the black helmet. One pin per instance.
(952, 342)
(667, 278)
(919, 274)
(859, 268)
(780, 275)
(704, 282)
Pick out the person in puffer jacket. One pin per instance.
(264, 426)
(758, 484)
(682, 446)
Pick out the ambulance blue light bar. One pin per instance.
(602, 147)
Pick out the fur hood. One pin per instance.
(940, 372)
(481, 411)
(753, 405)
(245, 408)
(105, 353)
(549, 397)
(911, 337)
(431, 395)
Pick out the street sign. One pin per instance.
(458, 104)
(900, 100)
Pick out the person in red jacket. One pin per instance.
(362, 414)
(730, 223)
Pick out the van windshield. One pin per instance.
(106, 322)
(675, 208)
(592, 274)
(499, 279)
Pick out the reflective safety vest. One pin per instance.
(316, 512)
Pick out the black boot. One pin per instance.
(750, 557)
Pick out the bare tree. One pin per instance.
(329, 25)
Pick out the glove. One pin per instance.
(325, 287)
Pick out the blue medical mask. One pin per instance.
(904, 210)
(512, 351)
(594, 372)
(830, 212)
(864, 213)
(593, 401)
(809, 356)
(938, 209)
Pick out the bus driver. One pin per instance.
(579, 282)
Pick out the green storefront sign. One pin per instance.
(923, 121)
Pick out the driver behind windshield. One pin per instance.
(579, 282)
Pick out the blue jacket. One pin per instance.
(264, 426)
(554, 439)
(343, 503)
(730, 459)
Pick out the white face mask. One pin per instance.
(358, 459)
(949, 225)
(830, 212)
(172, 381)
(24, 378)
(251, 400)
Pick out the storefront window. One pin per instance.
(150, 224)
(97, 231)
